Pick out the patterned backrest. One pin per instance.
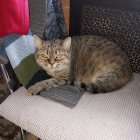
(116, 20)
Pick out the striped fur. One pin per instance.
(98, 64)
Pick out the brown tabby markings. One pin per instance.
(97, 63)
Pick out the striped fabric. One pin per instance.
(112, 116)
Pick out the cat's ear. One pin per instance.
(67, 43)
(38, 41)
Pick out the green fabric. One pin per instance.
(26, 69)
(29, 72)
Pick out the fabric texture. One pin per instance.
(66, 95)
(55, 24)
(50, 16)
(37, 16)
(119, 25)
(14, 17)
(111, 116)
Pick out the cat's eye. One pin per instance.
(44, 56)
(56, 57)
(59, 57)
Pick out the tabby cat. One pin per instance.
(95, 63)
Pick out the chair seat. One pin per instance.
(111, 116)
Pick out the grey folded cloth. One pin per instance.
(66, 95)
(37, 16)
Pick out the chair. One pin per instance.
(112, 116)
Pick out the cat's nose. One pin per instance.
(52, 63)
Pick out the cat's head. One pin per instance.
(53, 55)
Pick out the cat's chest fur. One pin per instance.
(61, 74)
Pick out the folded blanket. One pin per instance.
(20, 51)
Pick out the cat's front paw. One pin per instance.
(33, 90)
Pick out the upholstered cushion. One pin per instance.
(112, 116)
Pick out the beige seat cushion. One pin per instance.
(112, 116)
